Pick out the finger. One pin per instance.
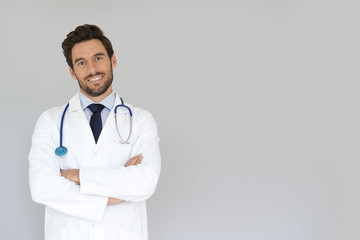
(130, 162)
(133, 160)
(139, 160)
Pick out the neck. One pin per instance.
(98, 98)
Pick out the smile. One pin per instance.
(95, 78)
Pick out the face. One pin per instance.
(93, 68)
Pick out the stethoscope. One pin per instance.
(62, 150)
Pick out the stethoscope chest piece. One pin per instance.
(60, 151)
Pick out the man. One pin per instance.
(98, 188)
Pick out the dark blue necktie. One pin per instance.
(95, 120)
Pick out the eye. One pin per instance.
(81, 63)
(98, 58)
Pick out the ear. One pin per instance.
(72, 73)
(113, 61)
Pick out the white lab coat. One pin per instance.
(76, 212)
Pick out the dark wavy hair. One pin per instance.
(84, 33)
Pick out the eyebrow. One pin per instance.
(95, 55)
(99, 54)
(79, 59)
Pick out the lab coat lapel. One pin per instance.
(109, 126)
(79, 117)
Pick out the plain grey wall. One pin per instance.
(257, 104)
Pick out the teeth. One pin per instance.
(94, 79)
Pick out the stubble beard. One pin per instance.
(99, 90)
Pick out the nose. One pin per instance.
(91, 68)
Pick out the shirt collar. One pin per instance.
(108, 101)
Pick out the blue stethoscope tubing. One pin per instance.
(62, 150)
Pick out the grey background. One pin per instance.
(257, 104)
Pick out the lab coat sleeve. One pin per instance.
(48, 187)
(133, 183)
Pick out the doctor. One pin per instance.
(98, 189)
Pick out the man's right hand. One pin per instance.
(132, 162)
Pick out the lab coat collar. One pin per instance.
(74, 103)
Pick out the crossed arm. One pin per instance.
(61, 190)
(73, 175)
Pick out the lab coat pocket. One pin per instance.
(61, 235)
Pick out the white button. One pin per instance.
(93, 225)
(95, 153)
